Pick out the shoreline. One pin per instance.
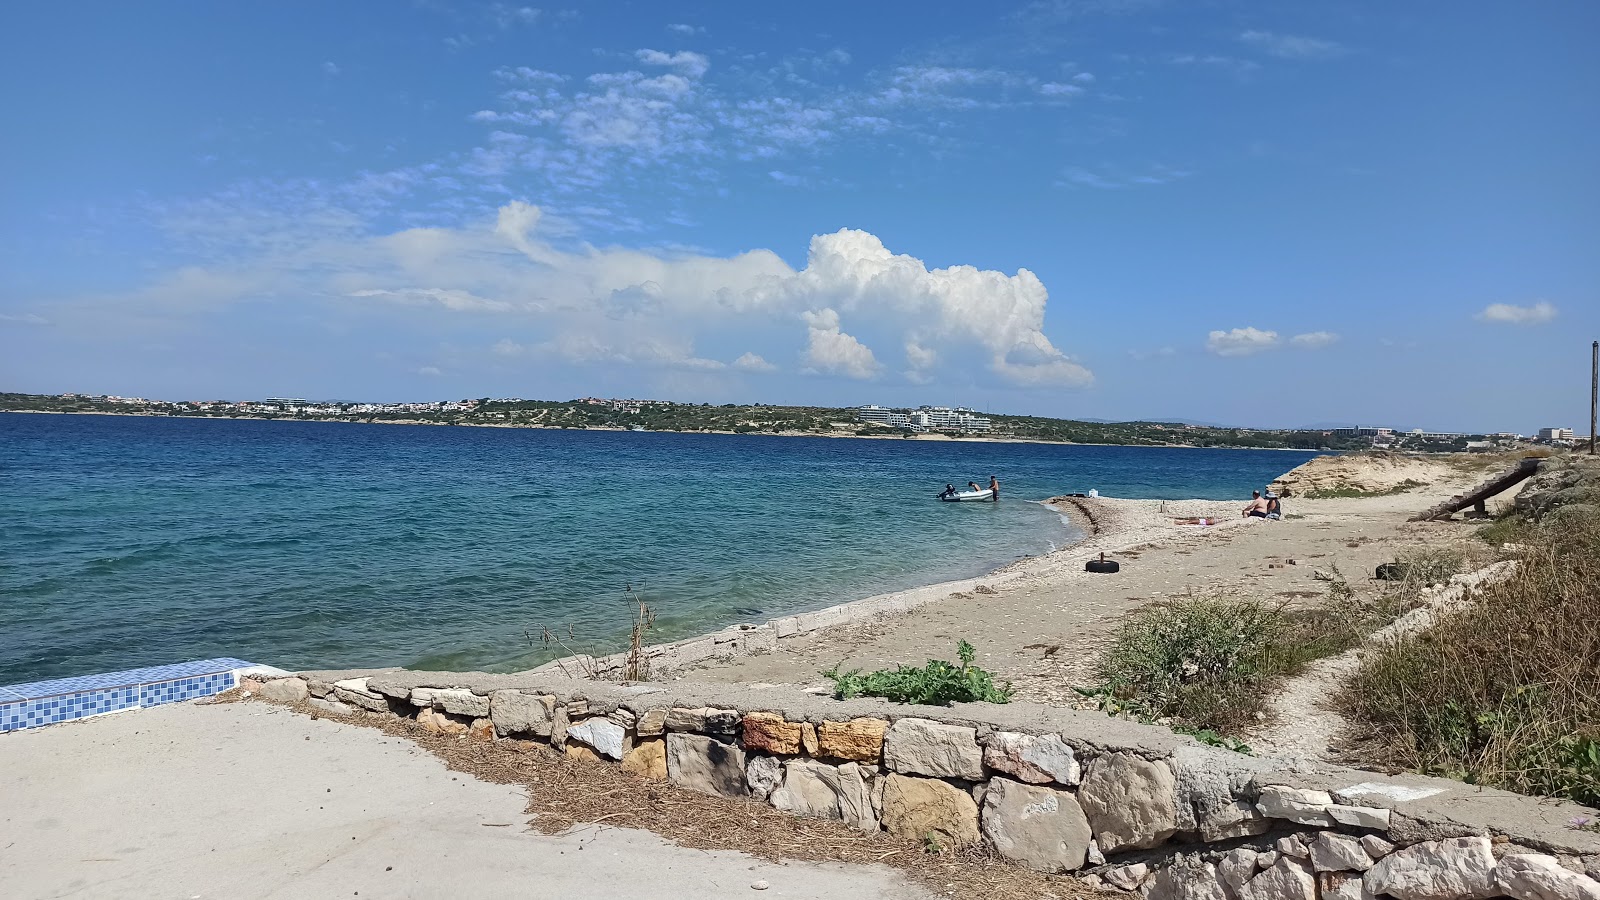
(1110, 525)
(617, 429)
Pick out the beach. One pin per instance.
(1040, 623)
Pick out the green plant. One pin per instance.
(1505, 690)
(936, 684)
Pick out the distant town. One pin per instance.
(870, 420)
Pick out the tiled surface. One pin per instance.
(65, 699)
(130, 676)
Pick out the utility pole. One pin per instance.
(1594, 388)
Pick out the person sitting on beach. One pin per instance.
(1257, 507)
(994, 485)
(949, 491)
(1274, 508)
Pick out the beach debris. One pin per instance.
(759, 885)
(1102, 565)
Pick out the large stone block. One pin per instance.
(816, 789)
(1131, 803)
(771, 733)
(1453, 869)
(1042, 828)
(1342, 886)
(514, 713)
(809, 788)
(926, 747)
(647, 758)
(462, 702)
(604, 735)
(1334, 852)
(285, 690)
(1535, 876)
(1231, 820)
(703, 720)
(702, 764)
(1032, 759)
(925, 809)
(1296, 805)
(364, 699)
(859, 740)
(1286, 879)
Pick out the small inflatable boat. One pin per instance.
(983, 494)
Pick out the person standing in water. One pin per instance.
(994, 485)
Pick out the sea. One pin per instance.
(131, 541)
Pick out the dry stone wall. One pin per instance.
(1129, 807)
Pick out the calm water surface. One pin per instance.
(128, 541)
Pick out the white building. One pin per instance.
(1555, 434)
(927, 418)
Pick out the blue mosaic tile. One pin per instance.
(35, 689)
(66, 707)
(180, 689)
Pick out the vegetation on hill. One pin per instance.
(696, 417)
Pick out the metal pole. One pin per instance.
(1594, 388)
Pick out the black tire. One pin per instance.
(1391, 572)
(1103, 566)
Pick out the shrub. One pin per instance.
(1348, 491)
(936, 684)
(1505, 690)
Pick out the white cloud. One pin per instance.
(457, 300)
(1058, 89)
(828, 349)
(1110, 178)
(752, 362)
(24, 319)
(1314, 340)
(329, 68)
(1288, 46)
(1510, 314)
(1241, 341)
(430, 371)
(508, 347)
(689, 63)
(679, 28)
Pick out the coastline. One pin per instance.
(974, 439)
(1110, 525)
(1041, 622)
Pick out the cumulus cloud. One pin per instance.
(689, 63)
(1241, 341)
(1511, 314)
(1313, 340)
(1002, 315)
(828, 349)
(752, 362)
(680, 28)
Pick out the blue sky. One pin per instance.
(1252, 213)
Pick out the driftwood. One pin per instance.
(1476, 497)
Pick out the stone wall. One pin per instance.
(1129, 807)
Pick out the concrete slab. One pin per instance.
(247, 800)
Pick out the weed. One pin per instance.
(936, 684)
(1504, 691)
(1345, 491)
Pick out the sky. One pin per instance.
(1250, 213)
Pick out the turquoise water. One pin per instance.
(131, 541)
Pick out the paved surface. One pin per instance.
(244, 800)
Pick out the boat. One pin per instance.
(638, 428)
(980, 494)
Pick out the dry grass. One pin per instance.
(567, 794)
(1505, 691)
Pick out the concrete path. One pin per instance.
(244, 800)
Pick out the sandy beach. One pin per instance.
(1041, 622)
